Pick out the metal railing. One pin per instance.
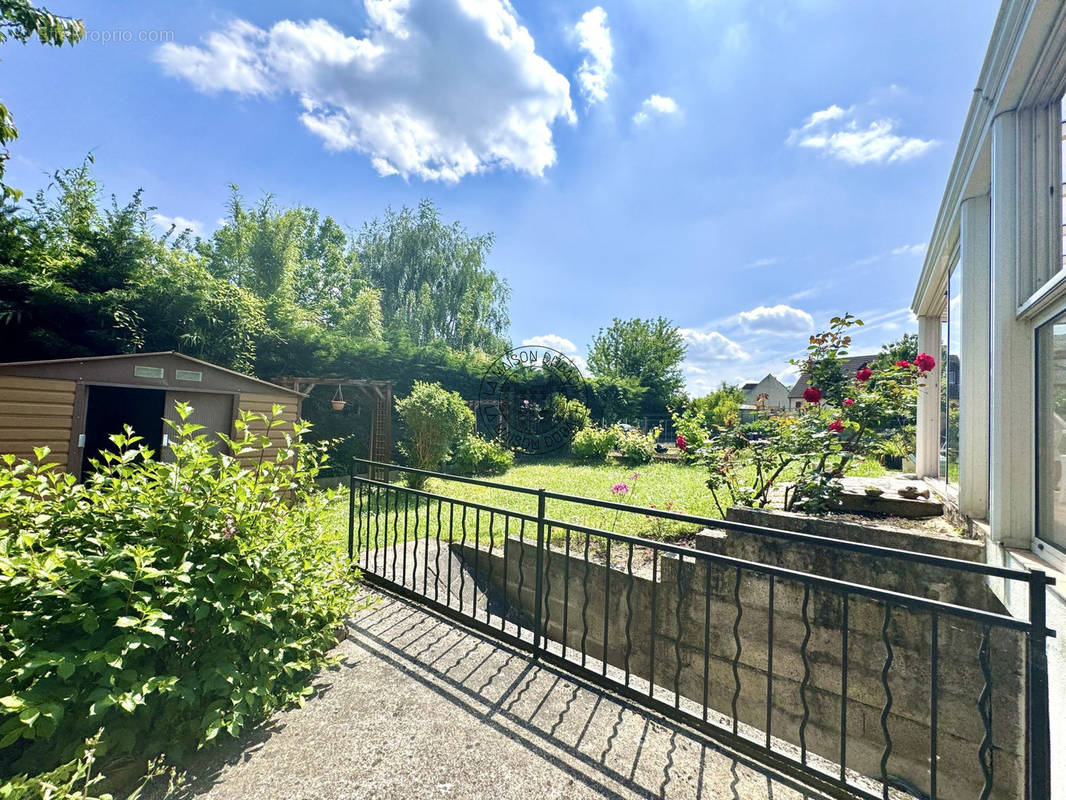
(796, 669)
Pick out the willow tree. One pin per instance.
(433, 280)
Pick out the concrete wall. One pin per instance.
(1016, 598)
(916, 542)
(676, 634)
(922, 580)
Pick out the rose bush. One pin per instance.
(846, 416)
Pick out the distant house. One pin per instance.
(768, 394)
(852, 364)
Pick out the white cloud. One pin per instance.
(594, 38)
(656, 106)
(704, 347)
(849, 136)
(180, 224)
(761, 262)
(708, 358)
(554, 341)
(776, 319)
(910, 250)
(437, 89)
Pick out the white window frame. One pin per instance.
(1053, 553)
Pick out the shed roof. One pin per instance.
(88, 368)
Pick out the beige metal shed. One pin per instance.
(73, 405)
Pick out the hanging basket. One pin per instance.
(338, 402)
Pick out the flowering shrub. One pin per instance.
(863, 410)
(847, 415)
(748, 463)
(162, 603)
(923, 362)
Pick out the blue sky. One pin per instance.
(747, 169)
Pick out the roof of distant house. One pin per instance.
(852, 364)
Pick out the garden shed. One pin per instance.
(73, 405)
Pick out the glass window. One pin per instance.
(949, 364)
(1051, 431)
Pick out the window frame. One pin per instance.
(1044, 546)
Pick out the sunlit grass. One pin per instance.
(660, 485)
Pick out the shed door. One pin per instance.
(110, 408)
(213, 411)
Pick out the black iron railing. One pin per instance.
(855, 688)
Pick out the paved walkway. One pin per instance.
(423, 708)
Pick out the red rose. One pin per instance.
(812, 395)
(903, 364)
(836, 426)
(848, 401)
(924, 362)
(681, 443)
(864, 374)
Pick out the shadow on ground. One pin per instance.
(423, 708)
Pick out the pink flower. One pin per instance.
(924, 362)
(635, 476)
(848, 401)
(812, 395)
(903, 364)
(620, 488)
(836, 426)
(864, 374)
(681, 443)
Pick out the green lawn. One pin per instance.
(660, 485)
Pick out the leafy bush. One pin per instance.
(436, 420)
(477, 456)
(572, 413)
(594, 443)
(162, 603)
(78, 780)
(637, 447)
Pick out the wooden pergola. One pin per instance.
(379, 392)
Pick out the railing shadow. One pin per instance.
(612, 747)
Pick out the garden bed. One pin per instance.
(935, 536)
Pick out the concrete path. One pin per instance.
(423, 708)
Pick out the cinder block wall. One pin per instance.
(676, 642)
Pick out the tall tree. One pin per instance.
(649, 350)
(78, 278)
(20, 20)
(301, 265)
(433, 280)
